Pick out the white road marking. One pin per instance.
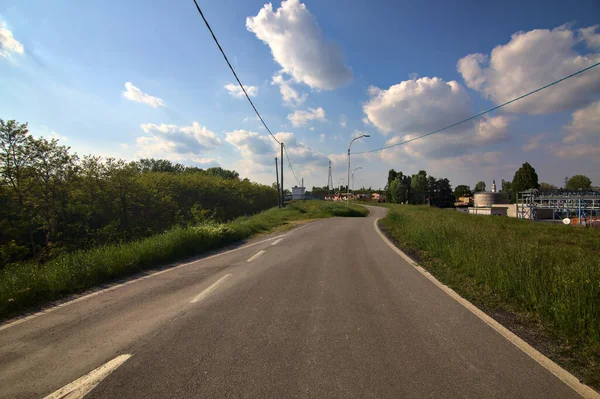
(256, 256)
(82, 386)
(93, 294)
(277, 241)
(210, 289)
(562, 374)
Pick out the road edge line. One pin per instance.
(562, 374)
(49, 309)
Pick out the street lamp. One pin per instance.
(348, 191)
(360, 167)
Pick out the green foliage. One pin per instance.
(525, 178)
(52, 202)
(479, 187)
(550, 271)
(547, 187)
(462, 191)
(30, 283)
(579, 182)
(507, 188)
(418, 188)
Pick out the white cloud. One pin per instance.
(176, 143)
(258, 151)
(301, 117)
(582, 134)
(134, 94)
(298, 45)
(236, 91)
(417, 106)
(8, 44)
(534, 143)
(54, 135)
(290, 95)
(343, 120)
(322, 137)
(577, 151)
(531, 60)
(585, 122)
(474, 136)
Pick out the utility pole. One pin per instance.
(282, 193)
(349, 146)
(330, 181)
(277, 177)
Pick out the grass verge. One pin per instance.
(27, 285)
(539, 277)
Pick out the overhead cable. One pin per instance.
(481, 113)
(234, 74)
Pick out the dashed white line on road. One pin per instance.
(210, 289)
(82, 386)
(277, 241)
(256, 256)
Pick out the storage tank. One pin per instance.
(487, 199)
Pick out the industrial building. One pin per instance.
(575, 207)
(298, 193)
(490, 203)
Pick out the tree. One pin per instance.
(547, 187)
(224, 173)
(579, 182)
(525, 178)
(507, 188)
(462, 191)
(479, 187)
(418, 188)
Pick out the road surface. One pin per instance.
(325, 310)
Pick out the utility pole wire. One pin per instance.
(234, 74)
(482, 113)
(290, 164)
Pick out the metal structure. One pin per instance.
(330, 181)
(576, 205)
(488, 198)
(349, 147)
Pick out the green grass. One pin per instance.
(27, 285)
(550, 273)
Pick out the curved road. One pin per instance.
(325, 310)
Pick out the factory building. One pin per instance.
(490, 203)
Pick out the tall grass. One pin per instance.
(549, 271)
(24, 285)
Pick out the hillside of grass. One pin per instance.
(26, 285)
(548, 274)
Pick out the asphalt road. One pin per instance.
(328, 310)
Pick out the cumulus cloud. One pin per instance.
(582, 134)
(474, 136)
(533, 59)
(343, 120)
(8, 44)
(236, 91)
(534, 143)
(301, 117)
(585, 123)
(417, 106)
(299, 46)
(257, 152)
(290, 95)
(134, 94)
(176, 142)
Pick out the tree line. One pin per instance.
(53, 201)
(419, 189)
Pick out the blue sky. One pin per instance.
(320, 73)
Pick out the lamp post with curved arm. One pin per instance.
(349, 146)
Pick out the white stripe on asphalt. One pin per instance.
(210, 289)
(277, 241)
(256, 256)
(542, 360)
(82, 386)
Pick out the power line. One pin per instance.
(290, 163)
(482, 113)
(234, 74)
